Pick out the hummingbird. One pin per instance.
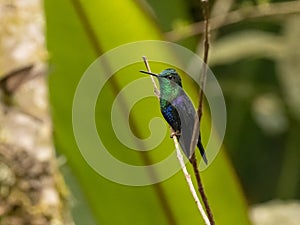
(178, 110)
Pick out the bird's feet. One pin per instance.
(175, 133)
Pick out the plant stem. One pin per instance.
(205, 57)
(190, 183)
(193, 158)
(193, 161)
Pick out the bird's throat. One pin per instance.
(169, 91)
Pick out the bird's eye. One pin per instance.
(170, 77)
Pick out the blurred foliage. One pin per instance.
(260, 79)
(257, 64)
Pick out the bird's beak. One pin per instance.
(149, 73)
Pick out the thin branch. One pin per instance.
(236, 16)
(205, 56)
(193, 159)
(180, 158)
(156, 91)
(189, 181)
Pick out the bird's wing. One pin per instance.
(187, 115)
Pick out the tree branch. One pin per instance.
(190, 183)
(156, 91)
(193, 159)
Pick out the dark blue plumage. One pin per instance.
(178, 111)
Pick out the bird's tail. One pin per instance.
(202, 151)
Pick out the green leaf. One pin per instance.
(77, 33)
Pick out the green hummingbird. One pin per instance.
(178, 110)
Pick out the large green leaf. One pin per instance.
(77, 33)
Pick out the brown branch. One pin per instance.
(205, 217)
(236, 16)
(193, 159)
(156, 91)
(205, 56)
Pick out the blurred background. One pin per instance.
(254, 53)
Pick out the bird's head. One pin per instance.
(167, 77)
